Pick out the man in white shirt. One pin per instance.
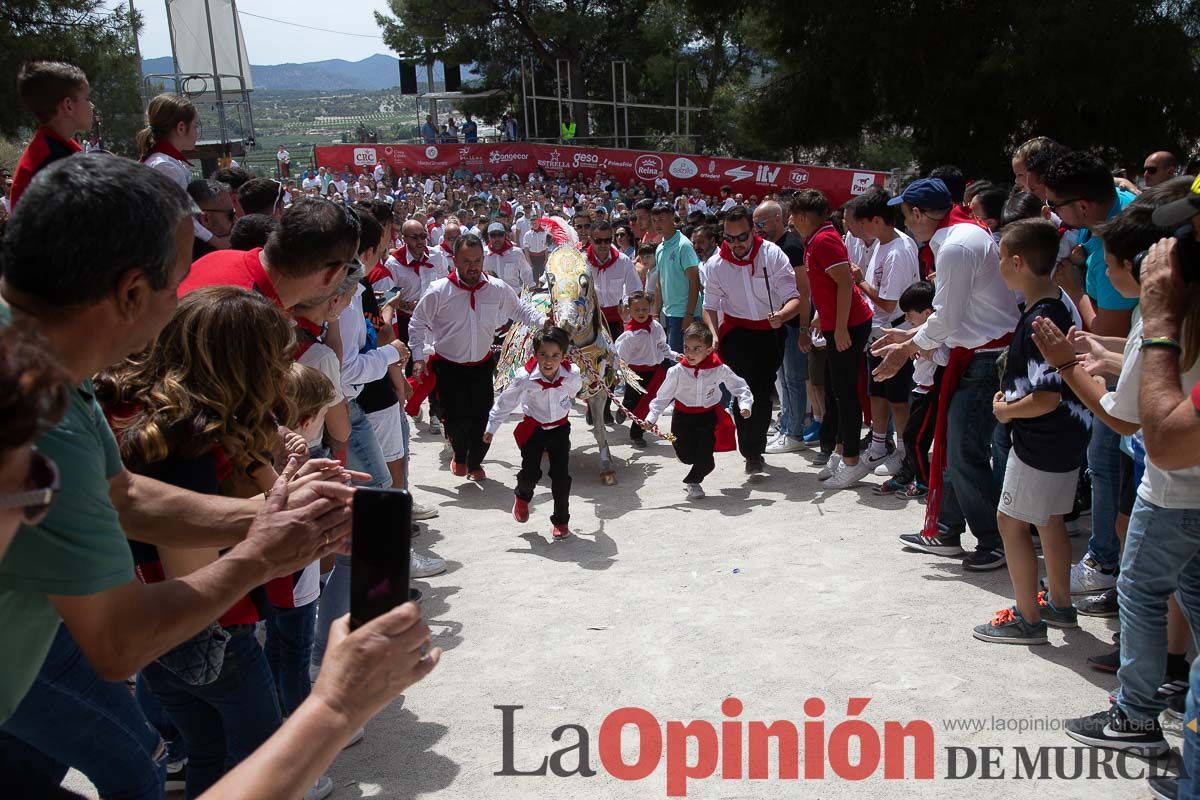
(749, 293)
(536, 244)
(284, 158)
(451, 336)
(505, 261)
(727, 201)
(974, 314)
(891, 267)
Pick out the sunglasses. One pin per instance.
(1056, 204)
(741, 237)
(1151, 170)
(228, 213)
(601, 242)
(35, 503)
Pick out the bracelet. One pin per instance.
(1162, 341)
(1068, 365)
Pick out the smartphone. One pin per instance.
(380, 542)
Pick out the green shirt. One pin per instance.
(673, 258)
(79, 549)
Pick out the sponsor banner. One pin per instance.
(705, 174)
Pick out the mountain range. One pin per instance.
(374, 72)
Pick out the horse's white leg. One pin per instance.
(596, 403)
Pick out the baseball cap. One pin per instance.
(506, 208)
(496, 227)
(930, 193)
(1172, 215)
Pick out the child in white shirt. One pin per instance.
(643, 348)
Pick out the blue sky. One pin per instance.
(274, 43)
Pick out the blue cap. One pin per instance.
(930, 193)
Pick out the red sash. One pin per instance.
(730, 322)
(527, 426)
(651, 391)
(725, 437)
(960, 359)
(611, 313)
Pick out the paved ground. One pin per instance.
(769, 590)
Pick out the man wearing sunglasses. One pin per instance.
(750, 291)
(215, 201)
(506, 262)
(1159, 168)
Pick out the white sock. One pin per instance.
(878, 444)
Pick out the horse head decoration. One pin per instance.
(569, 300)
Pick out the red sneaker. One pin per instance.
(457, 469)
(561, 532)
(520, 510)
(477, 475)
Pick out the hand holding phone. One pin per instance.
(380, 544)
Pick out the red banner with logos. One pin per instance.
(703, 173)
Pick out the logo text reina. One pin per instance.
(853, 749)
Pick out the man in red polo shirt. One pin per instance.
(305, 258)
(57, 95)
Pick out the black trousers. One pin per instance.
(556, 442)
(695, 441)
(843, 409)
(918, 433)
(464, 397)
(755, 356)
(632, 397)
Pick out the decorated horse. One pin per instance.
(569, 299)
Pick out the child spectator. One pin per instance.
(57, 95)
(1050, 429)
(700, 424)
(643, 346)
(912, 479)
(647, 270)
(545, 390)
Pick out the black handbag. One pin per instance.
(198, 661)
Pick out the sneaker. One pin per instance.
(875, 459)
(1057, 617)
(458, 470)
(917, 491)
(984, 559)
(560, 532)
(813, 432)
(1099, 605)
(1165, 788)
(1113, 730)
(1009, 627)
(755, 466)
(1176, 705)
(424, 512)
(637, 441)
(831, 466)
(891, 486)
(321, 789)
(848, 475)
(1087, 577)
(1109, 662)
(422, 566)
(785, 444)
(520, 510)
(477, 475)
(694, 491)
(936, 545)
(435, 426)
(890, 465)
(1173, 694)
(176, 775)
(821, 459)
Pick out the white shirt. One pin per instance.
(441, 259)
(535, 242)
(891, 268)
(181, 174)
(435, 235)
(858, 250)
(1178, 488)
(645, 349)
(360, 368)
(698, 389)
(428, 186)
(520, 228)
(411, 284)
(378, 172)
(728, 204)
(511, 266)
(460, 333)
(311, 183)
(321, 358)
(924, 369)
(615, 283)
(341, 186)
(971, 306)
(546, 405)
(283, 157)
(661, 183)
(742, 291)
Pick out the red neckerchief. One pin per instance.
(711, 361)
(959, 217)
(70, 144)
(453, 278)
(531, 366)
(168, 149)
(634, 325)
(613, 254)
(727, 253)
(501, 251)
(401, 255)
(449, 250)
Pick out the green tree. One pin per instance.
(85, 33)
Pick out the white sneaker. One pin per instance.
(890, 465)
(785, 444)
(435, 425)
(830, 467)
(1086, 577)
(847, 475)
(423, 512)
(422, 566)
(875, 458)
(321, 789)
(694, 491)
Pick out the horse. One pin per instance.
(569, 299)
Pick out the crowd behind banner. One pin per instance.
(197, 380)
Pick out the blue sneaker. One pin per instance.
(813, 432)
(1009, 627)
